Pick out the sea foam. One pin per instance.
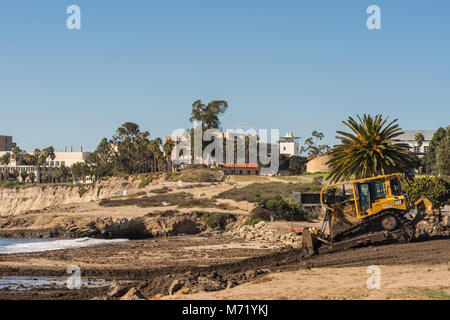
(37, 245)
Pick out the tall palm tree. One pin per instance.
(167, 148)
(155, 149)
(369, 150)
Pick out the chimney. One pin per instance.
(81, 149)
(65, 149)
(71, 149)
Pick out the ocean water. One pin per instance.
(9, 246)
(27, 283)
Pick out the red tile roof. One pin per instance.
(239, 165)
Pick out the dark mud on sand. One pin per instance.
(226, 266)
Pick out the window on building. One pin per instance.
(63, 163)
(57, 163)
(425, 149)
(416, 149)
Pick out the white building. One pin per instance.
(289, 145)
(66, 159)
(61, 159)
(409, 137)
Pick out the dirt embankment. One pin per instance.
(20, 200)
(152, 206)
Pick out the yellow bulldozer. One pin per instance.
(371, 211)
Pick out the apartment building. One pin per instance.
(6, 143)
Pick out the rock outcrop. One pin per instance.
(169, 223)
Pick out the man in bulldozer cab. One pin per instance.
(368, 211)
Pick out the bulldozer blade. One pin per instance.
(309, 242)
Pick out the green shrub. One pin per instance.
(434, 188)
(197, 175)
(161, 190)
(279, 208)
(7, 184)
(261, 213)
(310, 215)
(215, 220)
(82, 189)
(252, 192)
(145, 182)
(99, 190)
(252, 221)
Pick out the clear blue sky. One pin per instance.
(294, 65)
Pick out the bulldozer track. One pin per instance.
(343, 240)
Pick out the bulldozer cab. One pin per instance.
(365, 197)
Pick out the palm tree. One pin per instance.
(419, 138)
(24, 175)
(155, 149)
(167, 148)
(5, 159)
(16, 154)
(370, 150)
(61, 173)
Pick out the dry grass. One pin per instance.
(179, 199)
(161, 190)
(197, 175)
(251, 192)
